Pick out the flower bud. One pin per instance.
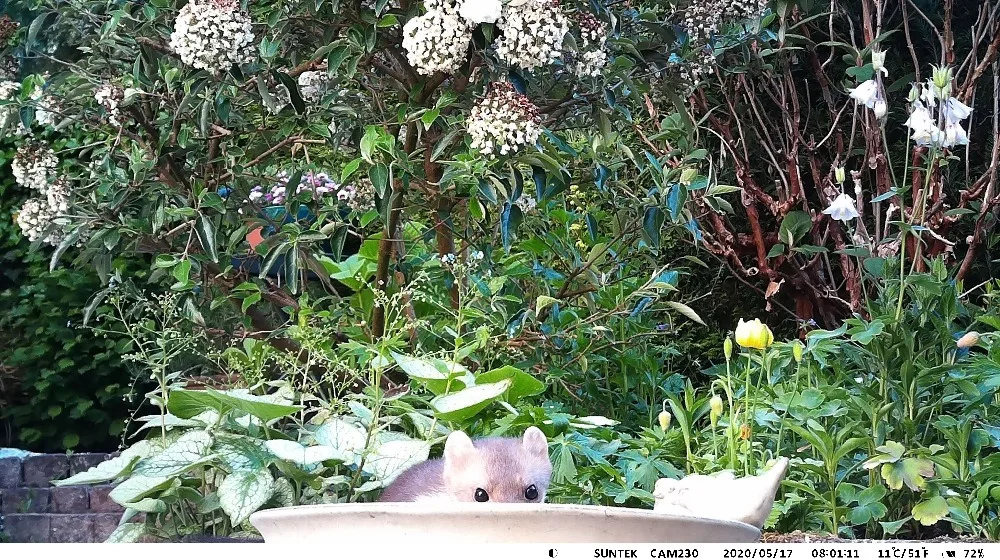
(841, 175)
(942, 79)
(878, 62)
(968, 340)
(797, 351)
(744, 432)
(753, 334)
(715, 409)
(727, 348)
(880, 108)
(914, 93)
(664, 418)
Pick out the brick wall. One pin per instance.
(32, 510)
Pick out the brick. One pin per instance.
(104, 525)
(81, 462)
(100, 502)
(40, 470)
(71, 529)
(27, 528)
(25, 500)
(69, 499)
(10, 472)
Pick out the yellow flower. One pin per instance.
(715, 407)
(753, 334)
(664, 419)
(745, 432)
(968, 340)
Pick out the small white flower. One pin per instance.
(480, 11)
(954, 110)
(438, 40)
(880, 108)
(842, 209)
(532, 33)
(866, 93)
(954, 135)
(503, 121)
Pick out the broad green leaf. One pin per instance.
(188, 404)
(930, 511)
(127, 533)
(244, 492)
(891, 452)
(542, 302)
(522, 383)
(283, 494)
(302, 455)
(148, 505)
(114, 468)
(892, 527)
(138, 487)
(794, 226)
(241, 453)
(419, 369)
(188, 450)
(910, 471)
(342, 436)
(391, 458)
(468, 402)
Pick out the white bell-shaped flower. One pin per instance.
(880, 108)
(842, 209)
(954, 135)
(954, 110)
(866, 93)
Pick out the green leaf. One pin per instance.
(137, 487)
(686, 311)
(379, 176)
(892, 527)
(466, 403)
(301, 455)
(127, 533)
(368, 142)
(244, 492)
(188, 404)
(206, 236)
(430, 116)
(889, 453)
(391, 458)
(795, 225)
(419, 369)
(107, 470)
(148, 505)
(180, 456)
(342, 436)
(542, 302)
(523, 384)
(930, 511)
(776, 249)
(911, 471)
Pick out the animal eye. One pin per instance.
(531, 493)
(481, 495)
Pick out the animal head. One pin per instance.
(505, 470)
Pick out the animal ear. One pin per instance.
(535, 443)
(458, 450)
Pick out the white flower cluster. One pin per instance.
(110, 97)
(480, 11)
(212, 35)
(935, 116)
(46, 107)
(532, 33)
(591, 57)
(503, 121)
(704, 18)
(526, 203)
(34, 167)
(9, 92)
(313, 86)
(438, 40)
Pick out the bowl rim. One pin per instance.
(459, 508)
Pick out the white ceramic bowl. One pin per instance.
(421, 523)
